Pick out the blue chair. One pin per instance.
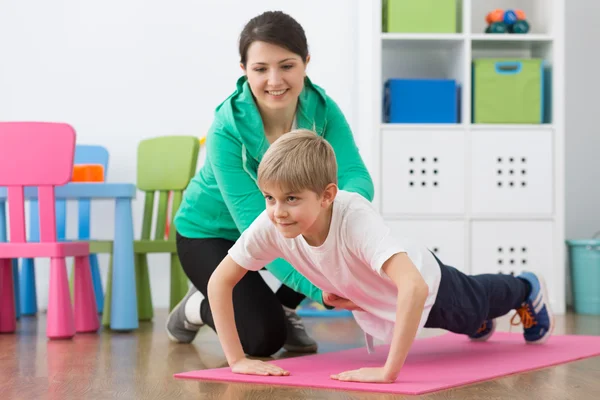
(84, 154)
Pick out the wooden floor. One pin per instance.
(140, 365)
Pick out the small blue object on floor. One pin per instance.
(313, 309)
(422, 101)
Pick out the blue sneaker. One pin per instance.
(535, 313)
(485, 331)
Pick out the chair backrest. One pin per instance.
(35, 154)
(84, 154)
(164, 164)
(92, 154)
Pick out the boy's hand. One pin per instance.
(256, 367)
(336, 301)
(373, 375)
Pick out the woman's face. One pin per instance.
(276, 75)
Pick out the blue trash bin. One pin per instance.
(584, 259)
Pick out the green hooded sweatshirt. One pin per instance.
(223, 199)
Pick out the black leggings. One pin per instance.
(259, 317)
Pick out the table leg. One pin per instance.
(123, 313)
(27, 287)
(3, 237)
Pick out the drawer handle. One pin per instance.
(508, 67)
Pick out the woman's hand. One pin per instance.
(336, 301)
(256, 367)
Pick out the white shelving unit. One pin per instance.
(487, 198)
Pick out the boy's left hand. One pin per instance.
(373, 375)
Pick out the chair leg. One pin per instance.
(97, 282)
(28, 293)
(15, 275)
(72, 279)
(108, 294)
(144, 294)
(61, 324)
(8, 320)
(86, 314)
(179, 282)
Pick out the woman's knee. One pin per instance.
(264, 340)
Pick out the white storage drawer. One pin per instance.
(446, 239)
(423, 172)
(511, 247)
(511, 172)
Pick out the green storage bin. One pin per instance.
(419, 16)
(508, 91)
(584, 260)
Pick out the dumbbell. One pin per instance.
(496, 15)
(497, 27)
(520, 25)
(512, 21)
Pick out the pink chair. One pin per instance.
(41, 154)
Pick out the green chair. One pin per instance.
(164, 165)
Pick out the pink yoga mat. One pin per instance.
(433, 364)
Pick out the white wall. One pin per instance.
(122, 71)
(582, 132)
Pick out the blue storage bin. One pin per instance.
(422, 101)
(584, 258)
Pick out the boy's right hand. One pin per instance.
(256, 367)
(336, 301)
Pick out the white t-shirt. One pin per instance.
(349, 262)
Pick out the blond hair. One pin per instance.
(297, 161)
